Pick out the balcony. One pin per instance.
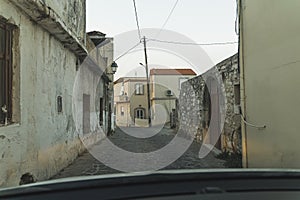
(122, 98)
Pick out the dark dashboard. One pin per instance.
(178, 184)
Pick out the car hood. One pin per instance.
(149, 176)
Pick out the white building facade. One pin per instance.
(41, 61)
(165, 90)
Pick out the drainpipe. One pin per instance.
(242, 84)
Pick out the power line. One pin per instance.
(128, 51)
(237, 23)
(172, 10)
(137, 20)
(191, 43)
(174, 42)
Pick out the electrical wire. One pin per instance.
(252, 125)
(166, 21)
(128, 51)
(237, 23)
(190, 43)
(137, 20)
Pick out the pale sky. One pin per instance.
(201, 21)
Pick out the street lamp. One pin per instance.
(114, 67)
(148, 93)
(110, 90)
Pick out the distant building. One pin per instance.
(130, 98)
(165, 90)
(131, 105)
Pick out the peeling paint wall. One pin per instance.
(56, 22)
(94, 82)
(71, 12)
(194, 107)
(90, 84)
(44, 141)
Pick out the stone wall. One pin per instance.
(195, 105)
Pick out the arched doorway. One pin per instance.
(139, 113)
(211, 111)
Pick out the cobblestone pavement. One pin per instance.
(86, 164)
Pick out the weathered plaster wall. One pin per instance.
(106, 51)
(94, 82)
(193, 112)
(44, 141)
(71, 13)
(89, 83)
(123, 120)
(56, 20)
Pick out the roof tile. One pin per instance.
(172, 72)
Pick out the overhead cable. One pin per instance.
(191, 43)
(128, 51)
(169, 16)
(137, 20)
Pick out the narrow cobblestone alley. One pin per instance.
(86, 164)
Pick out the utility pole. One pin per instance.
(148, 83)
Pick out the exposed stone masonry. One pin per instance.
(195, 105)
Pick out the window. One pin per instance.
(182, 80)
(6, 74)
(140, 113)
(86, 113)
(122, 111)
(101, 112)
(139, 89)
(237, 96)
(59, 104)
(122, 89)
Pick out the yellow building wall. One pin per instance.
(270, 66)
(137, 101)
(134, 100)
(123, 120)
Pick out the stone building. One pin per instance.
(43, 53)
(200, 99)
